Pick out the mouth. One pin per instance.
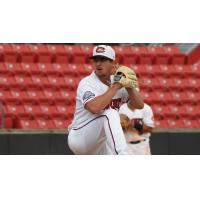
(99, 69)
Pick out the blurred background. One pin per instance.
(38, 87)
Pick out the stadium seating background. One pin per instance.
(38, 83)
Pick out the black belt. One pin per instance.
(137, 142)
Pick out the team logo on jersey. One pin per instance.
(100, 50)
(115, 104)
(87, 95)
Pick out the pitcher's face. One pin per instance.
(103, 66)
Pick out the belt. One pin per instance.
(137, 142)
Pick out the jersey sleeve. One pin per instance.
(86, 92)
(148, 117)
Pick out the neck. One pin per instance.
(105, 79)
(130, 106)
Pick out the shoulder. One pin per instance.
(123, 107)
(88, 80)
(147, 109)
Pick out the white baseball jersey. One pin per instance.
(89, 88)
(97, 133)
(146, 115)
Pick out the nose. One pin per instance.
(98, 62)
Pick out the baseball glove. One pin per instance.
(126, 76)
(125, 122)
(138, 125)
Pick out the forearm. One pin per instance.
(145, 129)
(99, 103)
(135, 98)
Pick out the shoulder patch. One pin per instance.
(87, 95)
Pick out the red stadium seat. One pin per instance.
(179, 59)
(59, 54)
(9, 54)
(87, 69)
(52, 93)
(14, 107)
(146, 95)
(22, 80)
(141, 71)
(5, 94)
(194, 70)
(69, 96)
(162, 83)
(35, 93)
(45, 68)
(164, 70)
(159, 97)
(18, 93)
(179, 71)
(6, 80)
(87, 50)
(176, 110)
(64, 108)
(161, 111)
(125, 55)
(136, 68)
(73, 69)
(171, 83)
(31, 107)
(190, 123)
(174, 123)
(177, 97)
(26, 123)
(41, 53)
(147, 82)
(40, 79)
(161, 123)
(191, 83)
(13, 68)
(192, 110)
(177, 56)
(144, 56)
(3, 68)
(60, 68)
(171, 49)
(71, 83)
(30, 68)
(25, 53)
(160, 57)
(192, 96)
(48, 108)
(146, 70)
(56, 80)
(78, 56)
(60, 121)
(44, 121)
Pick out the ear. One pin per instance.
(115, 67)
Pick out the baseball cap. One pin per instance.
(104, 51)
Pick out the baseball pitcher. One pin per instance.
(96, 127)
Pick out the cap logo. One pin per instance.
(100, 50)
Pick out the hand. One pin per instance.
(126, 77)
